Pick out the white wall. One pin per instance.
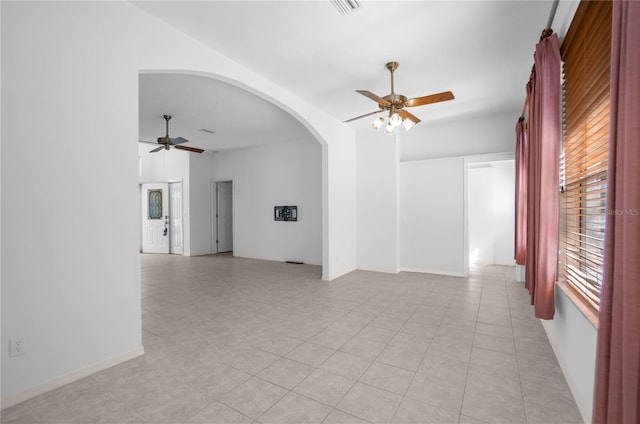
(481, 215)
(377, 197)
(339, 218)
(163, 165)
(381, 215)
(200, 173)
(0, 195)
(574, 341)
(462, 137)
(287, 173)
(461, 142)
(70, 221)
(432, 216)
(491, 211)
(70, 270)
(504, 181)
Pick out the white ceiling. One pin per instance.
(480, 50)
(238, 118)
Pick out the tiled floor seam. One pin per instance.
(515, 349)
(466, 378)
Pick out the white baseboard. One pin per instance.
(274, 259)
(434, 271)
(202, 253)
(336, 275)
(65, 379)
(385, 271)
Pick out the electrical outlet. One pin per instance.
(16, 347)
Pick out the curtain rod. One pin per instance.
(552, 13)
(546, 32)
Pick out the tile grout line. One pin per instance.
(466, 379)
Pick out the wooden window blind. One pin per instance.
(586, 53)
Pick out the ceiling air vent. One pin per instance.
(346, 6)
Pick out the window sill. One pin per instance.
(589, 313)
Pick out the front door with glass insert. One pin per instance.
(155, 218)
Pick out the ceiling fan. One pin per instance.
(167, 141)
(396, 104)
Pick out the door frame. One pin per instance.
(468, 161)
(214, 208)
(172, 235)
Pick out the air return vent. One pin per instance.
(346, 6)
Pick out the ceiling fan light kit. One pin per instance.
(395, 104)
(377, 124)
(390, 129)
(408, 124)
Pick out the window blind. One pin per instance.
(586, 53)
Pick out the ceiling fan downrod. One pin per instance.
(398, 101)
(392, 66)
(167, 118)
(165, 140)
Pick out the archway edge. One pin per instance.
(338, 166)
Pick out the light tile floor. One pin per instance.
(231, 340)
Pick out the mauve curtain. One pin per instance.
(522, 162)
(617, 386)
(541, 256)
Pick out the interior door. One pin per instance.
(224, 216)
(155, 218)
(175, 218)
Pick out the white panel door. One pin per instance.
(175, 218)
(224, 215)
(155, 218)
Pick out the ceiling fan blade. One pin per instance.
(148, 142)
(178, 140)
(375, 97)
(157, 149)
(406, 115)
(189, 149)
(432, 98)
(365, 115)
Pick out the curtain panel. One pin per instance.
(522, 163)
(541, 256)
(617, 385)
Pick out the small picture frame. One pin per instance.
(285, 213)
